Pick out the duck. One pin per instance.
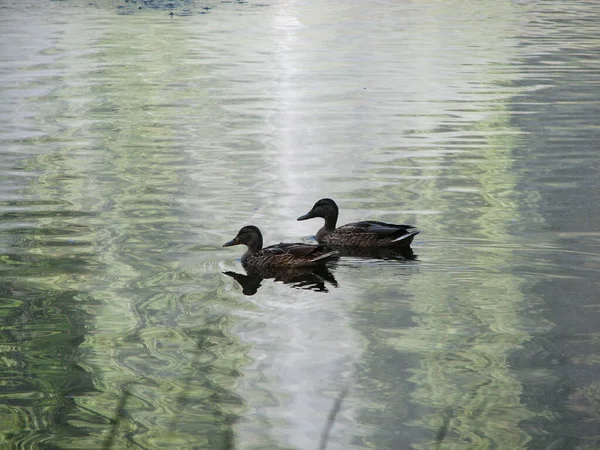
(278, 255)
(364, 234)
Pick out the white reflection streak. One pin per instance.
(306, 351)
(287, 128)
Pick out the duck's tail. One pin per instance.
(408, 237)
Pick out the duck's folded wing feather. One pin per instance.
(381, 229)
(294, 249)
(272, 250)
(304, 250)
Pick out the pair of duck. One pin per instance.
(333, 241)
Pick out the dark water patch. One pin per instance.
(46, 358)
(558, 152)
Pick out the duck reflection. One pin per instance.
(399, 254)
(315, 279)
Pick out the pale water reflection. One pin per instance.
(135, 143)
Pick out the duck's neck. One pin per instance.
(330, 221)
(254, 245)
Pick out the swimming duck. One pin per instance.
(366, 234)
(279, 255)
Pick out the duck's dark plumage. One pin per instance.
(279, 255)
(366, 234)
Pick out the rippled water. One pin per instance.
(134, 144)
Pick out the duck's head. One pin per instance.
(249, 236)
(324, 208)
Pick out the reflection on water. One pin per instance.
(134, 145)
(401, 254)
(315, 279)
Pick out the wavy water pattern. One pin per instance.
(135, 142)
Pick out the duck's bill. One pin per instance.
(308, 215)
(230, 243)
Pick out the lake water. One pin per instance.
(135, 143)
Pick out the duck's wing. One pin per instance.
(308, 252)
(305, 250)
(382, 230)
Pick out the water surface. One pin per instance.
(135, 143)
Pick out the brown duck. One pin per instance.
(279, 255)
(365, 234)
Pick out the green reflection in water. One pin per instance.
(469, 319)
(116, 343)
(453, 329)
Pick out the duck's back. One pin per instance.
(289, 255)
(371, 233)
